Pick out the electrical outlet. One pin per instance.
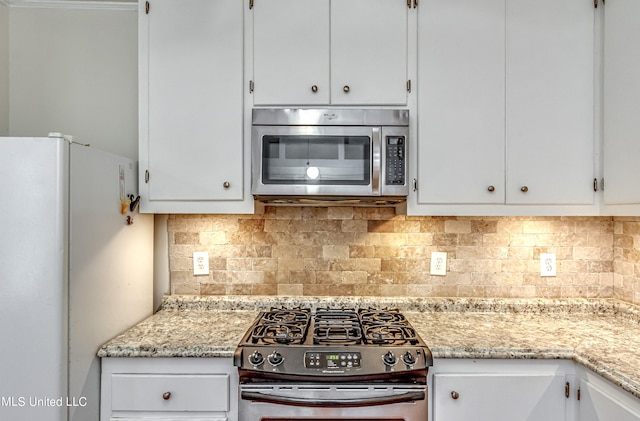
(200, 263)
(439, 263)
(547, 264)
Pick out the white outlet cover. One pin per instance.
(200, 263)
(547, 264)
(439, 263)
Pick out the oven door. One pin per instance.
(332, 402)
(316, 161)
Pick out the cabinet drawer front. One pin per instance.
(170, 392)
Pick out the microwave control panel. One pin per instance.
(395, 160)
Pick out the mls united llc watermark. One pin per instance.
(37, 401)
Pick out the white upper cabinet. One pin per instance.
(291, 51)
(369, 52)
(461, 131)
(191, 107)
(505, 107)
(311, 52)
(550, 102)
(622, 105)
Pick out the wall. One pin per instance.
(369, 251)
(627, 259)
(4, 69)
(75, 71)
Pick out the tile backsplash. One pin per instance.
(371, 251)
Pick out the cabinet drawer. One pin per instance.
(170, 392)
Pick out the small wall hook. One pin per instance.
(134, 202)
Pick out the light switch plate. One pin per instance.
(200, 263)
(439, 263)
(547, 264)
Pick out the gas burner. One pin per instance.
(278, 333)
(390, 334)
(374, 316)
(297, 316)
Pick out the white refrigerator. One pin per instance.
(75, 270)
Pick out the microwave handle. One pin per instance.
(376, 146)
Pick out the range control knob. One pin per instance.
(256, 358)
(275, 358)
(408, 358)
(389, 359)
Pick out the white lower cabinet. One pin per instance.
(202, 389)
(601, 400)
(501, 390)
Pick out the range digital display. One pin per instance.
(332, 360)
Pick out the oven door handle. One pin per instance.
(325, 403)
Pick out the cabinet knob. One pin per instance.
(524, 189)
(166, 396)
(346, 89)
(491, 189)
(314, 88)
(455, 395)
(226, 184)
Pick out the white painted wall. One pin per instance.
(4, 69)
(74, 71)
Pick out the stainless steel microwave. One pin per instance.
(329, 155)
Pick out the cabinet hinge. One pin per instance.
(251, 86)
(602, 184)
(415, 184)
(567, 390)
(415, 3)
(578, 394)
(146, 176)
(409, 85)
(595, 184)
(250, 4)
(595, 3)
(146, 7)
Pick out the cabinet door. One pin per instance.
(621, 102)
(461, 101)
(550, 101)
(499, 397)
(291, 52)
(369, 52)
(191, 100)
(598, 404)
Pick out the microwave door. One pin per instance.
(316, 161)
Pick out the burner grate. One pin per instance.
(278, 333)
(336, 326)
(390, 335)
(281, 326)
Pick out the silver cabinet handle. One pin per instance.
(491, 189)
(166, 396)
(524, 189)
(346, 89)
(455, 395)
(226, 184)
(314, 88)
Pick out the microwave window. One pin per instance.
(317, 160)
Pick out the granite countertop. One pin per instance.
(601, 334)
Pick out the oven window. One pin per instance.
(317, 160)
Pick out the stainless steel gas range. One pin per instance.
(332, 364)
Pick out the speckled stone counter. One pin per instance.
(603, 335)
